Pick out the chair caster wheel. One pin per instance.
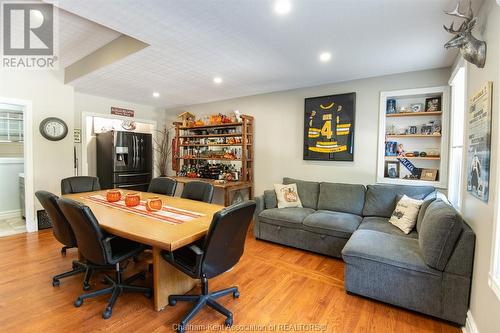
(63, 252)
(228, 322)
(74, 265)
(148, 295)
(172, 302)
(86, 287)
(78, 302)
(107, 313)
(236, 294)
(55, 283)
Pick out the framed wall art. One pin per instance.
(329, 127)
(479, 142)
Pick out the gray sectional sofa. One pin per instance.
(429, 270)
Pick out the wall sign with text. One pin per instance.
(122, 112)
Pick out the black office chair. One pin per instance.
(218, 252)
(102, 250)
(64, 234)
(79, 184)
(199, 191)
(163, 185)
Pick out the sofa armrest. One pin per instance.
(461, 261)
(270, 200)
(260, 206)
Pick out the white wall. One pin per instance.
(279, 126)
(52, 160)
(485, 306)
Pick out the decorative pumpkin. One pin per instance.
(113, 195)
(290, 195)
(154, 204)
(132, 199)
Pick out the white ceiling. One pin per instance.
(78, 37)
(256, 51)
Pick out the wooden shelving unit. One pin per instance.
(393, 133)
(194, 138)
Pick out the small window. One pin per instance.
(11, 126)
(457, 137)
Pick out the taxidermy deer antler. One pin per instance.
(472, 49)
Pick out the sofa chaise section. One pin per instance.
(430, 274)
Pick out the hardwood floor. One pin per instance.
(278, 286)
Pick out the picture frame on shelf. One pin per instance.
(392, 169)
(417, 107)
(429, 174)
(433, 104)
(391, 148)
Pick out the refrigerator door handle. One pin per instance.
(135, 151)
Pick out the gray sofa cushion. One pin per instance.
(381, 199)
(336, 224)
(402, 252)
(287, 217)
(308, 191)
(427, 201)
(382, 224)
(270, 199)
(439, 232)
(347, 198)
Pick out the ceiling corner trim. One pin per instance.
(114, 51)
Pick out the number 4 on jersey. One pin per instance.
(327, 129)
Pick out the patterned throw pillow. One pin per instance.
(406, 213)
(287, 195)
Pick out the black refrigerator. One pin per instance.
(124, 160)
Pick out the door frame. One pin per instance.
(29, 187)
(83, 151)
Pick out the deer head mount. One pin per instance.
(472, 49)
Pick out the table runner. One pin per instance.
(166, 214)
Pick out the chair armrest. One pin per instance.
(194, 248)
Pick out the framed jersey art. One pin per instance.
(329, 127)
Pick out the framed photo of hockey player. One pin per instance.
(479, 142)
(329, 127)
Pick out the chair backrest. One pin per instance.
(199, 191)
(163, 185)
(225, 240)
(60, 226)
(88, 233)
(80, 184)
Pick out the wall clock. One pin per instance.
(53, 129)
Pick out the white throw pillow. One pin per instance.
(406, 213)
(287, 195)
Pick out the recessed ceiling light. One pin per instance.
(282, 7)
(325, 56)
(217, 80)
(156, 94)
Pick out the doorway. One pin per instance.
(16, 167)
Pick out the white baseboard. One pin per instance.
(470, 324)
(10, 214)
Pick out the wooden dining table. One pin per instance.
(159, 234)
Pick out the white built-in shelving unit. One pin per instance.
(393, 126)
